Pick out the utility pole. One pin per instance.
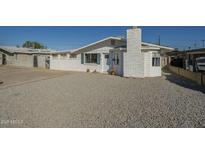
(195, 45)
(159, 40)
(203, 42)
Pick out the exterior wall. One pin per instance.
(147, 64)
(74, 64)
(133, 65)
(23, 60)
(69, 64)
(164, 57)
(164, 61)
(149, 70)
(155, 70)
(8, 58)
(20, 60)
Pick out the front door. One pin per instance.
(47, 62)
(106, 62)
(4, 59)
(35, 61)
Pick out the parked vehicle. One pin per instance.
(200, 63)
(177, 62)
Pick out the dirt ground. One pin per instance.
(45, 98)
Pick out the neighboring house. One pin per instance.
(126, 57)
(186, 59)
(25, 57)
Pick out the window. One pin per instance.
(116, 59)
(64, 55)
(55, 56)
(112, 42)
(107, 56)
(190, 60)
(73, 56)
(92, 58)
(155, 59)
(82, 58)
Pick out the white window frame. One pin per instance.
(63, 56)
(55, 56)
(156, 60)
(73, 56)
(90, 58)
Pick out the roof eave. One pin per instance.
(91, 44)
(159, 46)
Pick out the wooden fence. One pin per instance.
(197, 77)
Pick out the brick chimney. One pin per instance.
(134, 40)
(133, 65)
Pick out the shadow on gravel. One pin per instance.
(186, 83)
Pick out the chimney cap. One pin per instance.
(134, 27)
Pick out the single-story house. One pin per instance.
(128, 57)
(25, 57)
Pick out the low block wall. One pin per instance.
(194, 76)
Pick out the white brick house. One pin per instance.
(128, 57)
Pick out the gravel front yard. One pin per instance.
(96, 100)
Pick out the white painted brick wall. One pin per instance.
(155, 70)
(74, 64)
(151, 71)
(133, 65)
(147, 63)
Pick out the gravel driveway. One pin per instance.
(96, 100)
